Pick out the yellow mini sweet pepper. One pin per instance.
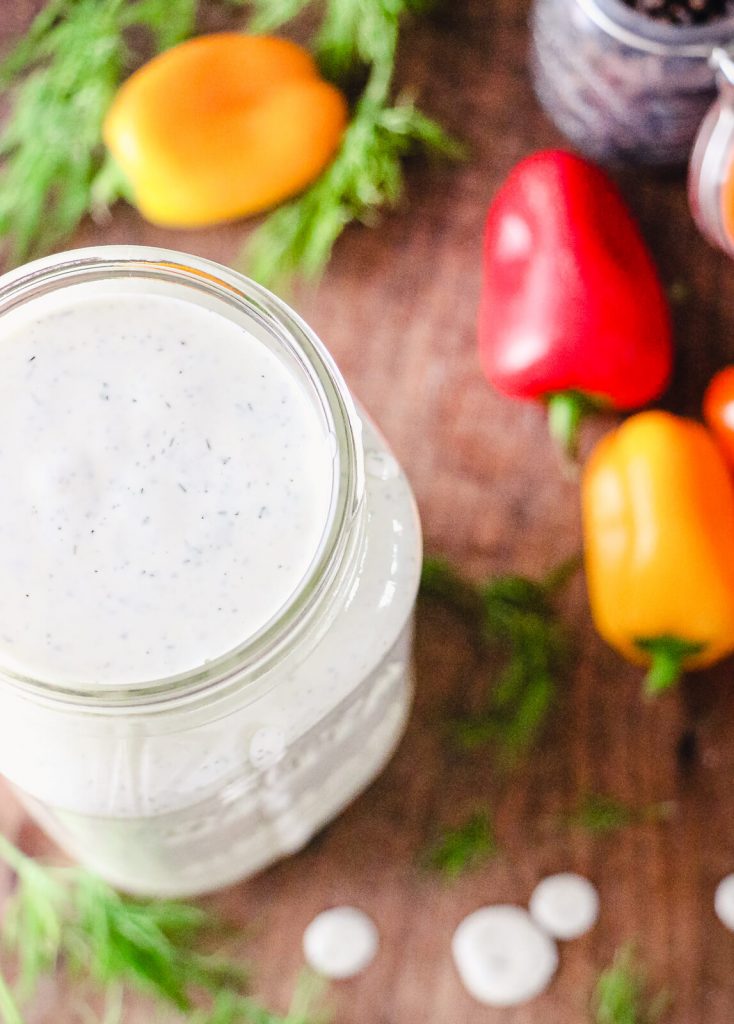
(223, 126)
(658, 518)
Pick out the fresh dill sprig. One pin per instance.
(33, 915)
(67, 916)
(366, 173)
(518, 622)
(441, 582)
(621, 995)
(169, 21)
(146, 945)
(62, 77)
(351, 31)
(306, 1007)
(464, 848)
(9, 1010)
(309, 1005)
(601, 814)
(269, 15)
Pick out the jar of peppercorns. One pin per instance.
(629, 81)
(711, 177)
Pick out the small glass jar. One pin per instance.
(711, 176)
(624, 87)
(194, 781)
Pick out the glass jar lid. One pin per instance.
(658, 38)
(711, 173)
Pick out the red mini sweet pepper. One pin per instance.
(572, 309)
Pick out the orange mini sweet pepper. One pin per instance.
(223, 126)
(718, 410)
(658, 517)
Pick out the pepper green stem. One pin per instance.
(668, 655)
(566, 409)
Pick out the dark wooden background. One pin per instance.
(397, 309)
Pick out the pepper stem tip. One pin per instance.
(566, 409)
(668, 655)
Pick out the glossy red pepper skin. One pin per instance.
(571, 300)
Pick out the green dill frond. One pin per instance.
(51, 145)
(169, 22)
(464, 848)
(309, 1004)
(68, 919)
(146, 945)
(441, 582)
(269, 15)
(520, 624)
(351, 31)
(600, 814)
(366, 174)
(9, 1011)
(62, 77)
(26, 52)
(514, 618)
(306, 1007)
(359, 31)
(69, 916)
(33, 922)
(621, 995)
(362, 31)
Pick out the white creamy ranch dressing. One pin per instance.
(221, 557)
(171, 485)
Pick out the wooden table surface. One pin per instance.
(397, 309)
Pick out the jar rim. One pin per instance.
(637, 30)
(262, 650)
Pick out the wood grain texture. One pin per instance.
(397, 308)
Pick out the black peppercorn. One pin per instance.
(684, 12)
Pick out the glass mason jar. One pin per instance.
(711, 175)
(193, 781)
(623, 87)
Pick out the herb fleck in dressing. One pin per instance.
(171, 482)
